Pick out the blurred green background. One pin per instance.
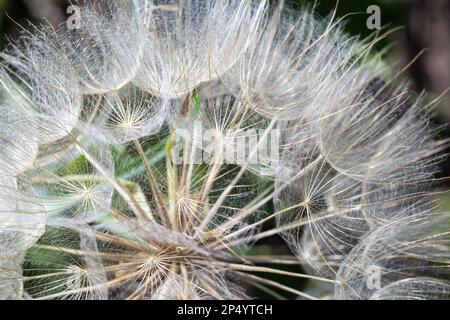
(423, 24)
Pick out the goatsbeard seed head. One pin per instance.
(149, 153)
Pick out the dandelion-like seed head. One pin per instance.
(151, 152)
